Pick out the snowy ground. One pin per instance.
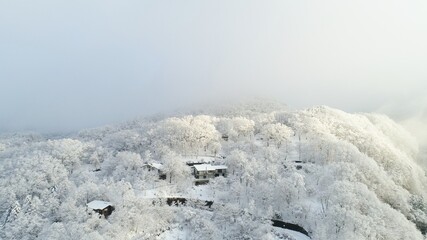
(174, 234)
(292, 234)
(201, 192)
(280, 234)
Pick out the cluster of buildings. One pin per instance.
(201, 169)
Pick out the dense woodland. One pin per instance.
(338, 175)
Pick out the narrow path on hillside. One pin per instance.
(209, 206)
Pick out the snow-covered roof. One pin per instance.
(156, 165)
(208, 167)
(204, 159)
(96, 204)
(220, 167)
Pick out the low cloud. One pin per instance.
(412, 115)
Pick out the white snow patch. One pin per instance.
(96, 204)
(173, 234)
(208, 167)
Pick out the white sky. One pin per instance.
(66, 65)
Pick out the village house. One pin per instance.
(298, 164)
(156, 167)
(200, 160)
(206, 171)
(224, 137)
(101, 207)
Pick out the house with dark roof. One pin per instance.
(102, 207)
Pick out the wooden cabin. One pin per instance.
(101, 207)
(224, 137)
(157, 167)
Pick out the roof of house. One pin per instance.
(208, 167)
(154, 165)
(199, 160)
(96, 204)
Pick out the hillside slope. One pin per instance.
(338, 175)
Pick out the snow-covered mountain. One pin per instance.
(335, 174)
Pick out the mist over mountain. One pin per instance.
(71, 65)
(337, 175)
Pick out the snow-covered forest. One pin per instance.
(337, 175)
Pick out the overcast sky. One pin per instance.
(66, 65)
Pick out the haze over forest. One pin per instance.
(71, 65)
(288, 120)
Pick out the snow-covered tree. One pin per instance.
(340, 176)
(277, 133)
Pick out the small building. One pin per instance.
(101, 207)
(206, 171)
(224, 137)
(298, 164)
(200, 160)
(156, 167)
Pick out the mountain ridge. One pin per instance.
(339, 175)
